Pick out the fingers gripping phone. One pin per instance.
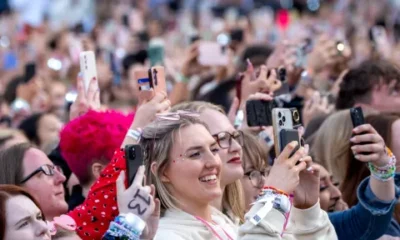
(87, 61)
(134, 159)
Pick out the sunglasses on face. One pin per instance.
(47, 169)
(224, 139)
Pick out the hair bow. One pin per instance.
(64, 221)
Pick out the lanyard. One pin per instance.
(213, 230)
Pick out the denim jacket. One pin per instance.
(369, 219)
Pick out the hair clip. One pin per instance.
(64, 221)
(175, 116)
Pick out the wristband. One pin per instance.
(180, 78)
(135, 134)
(271, 199)
(278, 191)
(125, 226)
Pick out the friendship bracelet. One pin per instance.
(386, 172)
(135, 134)
(276, 190)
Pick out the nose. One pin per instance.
(59, 177)
(235, 146)
(335, 192)
(41, 228)
(212, 161)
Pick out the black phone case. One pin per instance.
(287, 136)
(357, 116)
(259, 113)
(134, 159)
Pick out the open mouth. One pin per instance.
(211, 179)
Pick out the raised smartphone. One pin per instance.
(157, 79)
(287, 136)
(213, 54)
(259, 113)
(134, 159)
(87, 61)
(357, 116)
(281, 119)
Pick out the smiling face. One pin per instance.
(231, 157)
(48, 190)
(24, 220)
(193, 171)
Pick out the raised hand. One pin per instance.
(85, 100)
(148, 110)
(369, 146)
(284, 174)
(315, 107)
(136, 199)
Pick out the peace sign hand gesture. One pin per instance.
(136, 199)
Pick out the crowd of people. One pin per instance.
(202, 170)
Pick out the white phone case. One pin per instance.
(88, 67)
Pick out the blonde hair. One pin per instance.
(157, 141)
(331, 145)
(233, 195)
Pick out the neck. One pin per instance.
(217, 203)
(198, 210)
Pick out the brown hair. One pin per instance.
(11, 162)
(233, 193)
(6, 192)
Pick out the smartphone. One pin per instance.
(88, 67)
(30, 72)
(213, 54)
(237, 35)
(143, 80)
(156, 52)
(281, 119)
(287, 136)
(259, 113)
(134, 159)
(157, 79)
(357, 116)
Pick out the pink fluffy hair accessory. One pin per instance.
(92, 137)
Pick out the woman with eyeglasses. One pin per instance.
(255, 168)
(285, 176)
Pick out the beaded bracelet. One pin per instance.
(386, 172)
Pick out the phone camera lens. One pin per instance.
(133, 153)
(155, 77)
(279, 114)
(280, 123)
(283, 119)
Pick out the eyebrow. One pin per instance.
(214, 143)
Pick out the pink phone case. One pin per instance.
(212, 54)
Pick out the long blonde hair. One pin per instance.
(233, 196)
(157, 141)
(331, 145)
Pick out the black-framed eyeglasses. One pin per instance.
(256, 177)
(224, 139)
(47, 169)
